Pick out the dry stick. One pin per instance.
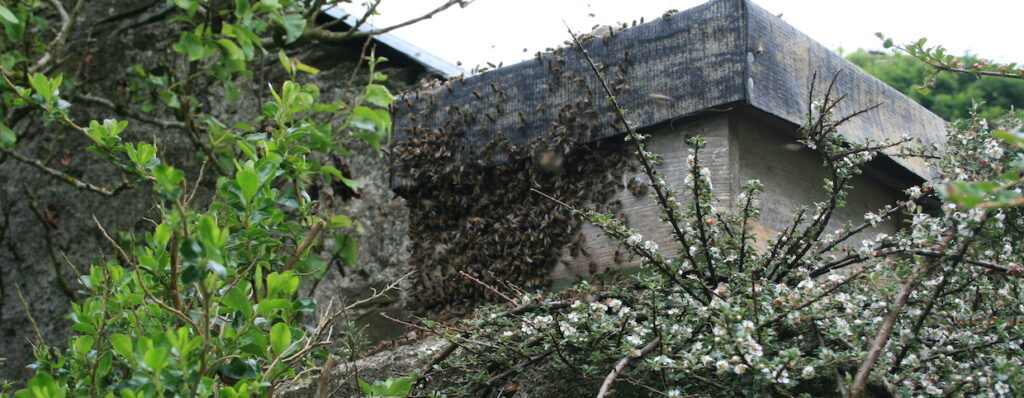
(28, 314)
(324, 383)
(165, 124)
(328, 36)
(55, 49)
(322, 325)
(489, 287)
(310, 237)
(450, 347)
(860, 381)
(619, 367)
(77, 183)
(65, 286)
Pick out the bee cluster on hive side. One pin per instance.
(466, 159)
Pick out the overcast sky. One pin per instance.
(499, 30)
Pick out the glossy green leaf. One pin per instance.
(280, 338)
(7, 136)
(248, 183)
(378, 95)
(189, 6)
(122, 345)
(156, 358)
(231, 49)
(7, 15)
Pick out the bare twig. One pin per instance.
(64, 177)
(329, 36)
(621, 366)
(860, 381)
(815, 299)
(489, 287)
(165, 124)
(65, 286)
(310, 237)
(28, 314)
(667, 204)
(55, 49)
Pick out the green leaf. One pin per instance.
(267, 306)
(240, 369)
(42, 385)
(293, 24)
(397, 387)
(303, 67)
(378, 95)
(41, 84)
(192, 45)
(248, 183)
(83, 344)
(286, 63)
(7, 136)
(189, 6)
(211, 235)
(280, 338)
(162, 234)
(7, 15)
(242, 9)
(83, 327)
(237, 300)
(367, 389)
(122, 345)
(345, 249)
(168, 180)
(156, 358)
(231, 49)
(341, 221)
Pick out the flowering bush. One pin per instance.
(931, 310)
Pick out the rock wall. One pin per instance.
(112, 36)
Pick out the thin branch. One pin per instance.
(165, 124)
(862, 227)
(815, 299)
(882, 337)
(64, 177)
(65, 286)
(28, 314)
(489, 287)
(56, 46)
(668, 205)
(621, 366)
(310, 237)
(324, 35)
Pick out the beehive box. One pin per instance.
(469, 150)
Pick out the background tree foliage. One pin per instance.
(949, 95)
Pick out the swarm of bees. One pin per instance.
(466, 158)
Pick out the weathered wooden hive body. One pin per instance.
(728, 70)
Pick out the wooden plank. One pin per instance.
(782, 62)
(722, 52)
(676, 66)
